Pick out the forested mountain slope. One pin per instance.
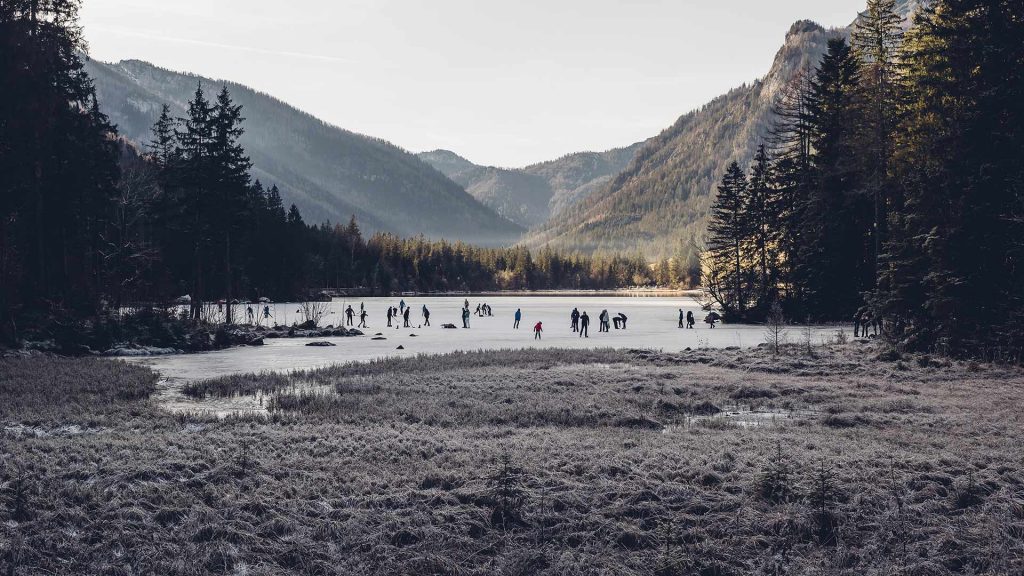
(660, 201)
(530, 196)
(328, 172)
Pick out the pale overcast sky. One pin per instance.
(502, 83)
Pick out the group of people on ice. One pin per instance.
(400, 316)
(580, 322)
(686, 320)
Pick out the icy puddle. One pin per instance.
(170, 396)
(747, 417)
(23, 431)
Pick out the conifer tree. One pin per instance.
(877, 37)
(762, 224)
(164, 143)
(728, 234)
(195, 203)
(230, 167)
(833, 262)
(791, 180)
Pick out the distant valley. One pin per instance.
(532, 195)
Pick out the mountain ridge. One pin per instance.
(329, 172)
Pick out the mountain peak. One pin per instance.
(803, 27)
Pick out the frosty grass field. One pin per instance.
(826, 458)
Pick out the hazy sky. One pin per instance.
(503, 83)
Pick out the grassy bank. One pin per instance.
(529, 462)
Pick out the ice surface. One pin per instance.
(652, 324)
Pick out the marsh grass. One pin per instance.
(490, 464)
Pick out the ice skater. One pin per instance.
(426, 316)
(362, 318)
(537, 329)
(584, 325)
(519, 316)
(405, 315)
(391, 314)
(574, 319)
(349, 313)
(465, 317)
(682, 317)
(690, 321)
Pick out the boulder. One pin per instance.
(321, 343)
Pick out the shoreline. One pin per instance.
(623, 292)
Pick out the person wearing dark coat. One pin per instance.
(575, 320)
(348, 314)
(712, 318)
(405, 315)
(689, 319)
(584, 324)
(391, 314)
(682, 317)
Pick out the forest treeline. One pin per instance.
(88, 223)
(891, 187)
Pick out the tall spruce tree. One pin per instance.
(195, 200)
(877, 37)
(762, 224)
(833, 258)
(724, 267)
(791, 180)
(230, 185)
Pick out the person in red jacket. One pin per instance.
(537, 329)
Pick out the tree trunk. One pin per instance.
(227, 278)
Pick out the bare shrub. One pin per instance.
(807, 337)
(313, 312)
(775, 324)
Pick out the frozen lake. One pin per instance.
(653, 322)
